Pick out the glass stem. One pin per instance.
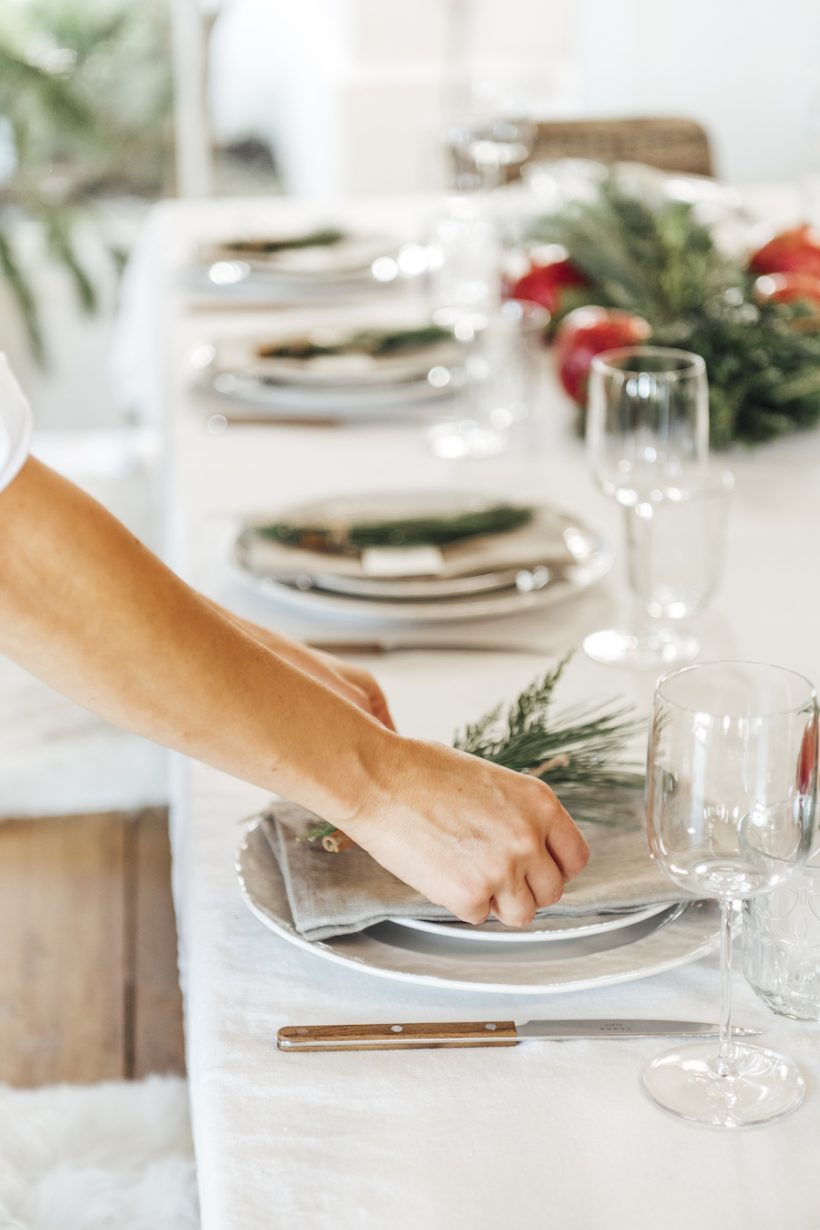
(726, 1051)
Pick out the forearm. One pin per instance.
(86, 607)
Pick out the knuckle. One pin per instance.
(518, 915)
(471, 910)
(551, 891)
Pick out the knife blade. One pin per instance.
(419, 1034)
(400, 644)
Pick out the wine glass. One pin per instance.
(730, 801)
(647, 433)
(491, 132)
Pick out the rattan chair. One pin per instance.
(667, 143)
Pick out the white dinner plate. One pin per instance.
(539, 931)
(678, 935)
(353, 254)
(580, 554)
(270, 399)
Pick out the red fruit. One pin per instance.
(796, 250)
(807, 760)
(542, 284)
(589, 331)
(788, 288)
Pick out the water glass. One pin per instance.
(464, 262)
(496, 382)
(781, 945)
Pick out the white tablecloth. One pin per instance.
(554, 1134)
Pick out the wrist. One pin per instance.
(371, 766)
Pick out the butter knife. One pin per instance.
(483, 1033)
(402, 644)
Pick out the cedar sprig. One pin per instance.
(581, 752)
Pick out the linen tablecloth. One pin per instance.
(538, 1135)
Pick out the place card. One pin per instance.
(402, 561)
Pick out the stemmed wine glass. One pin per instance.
(731, 793)
(490, 133)
(647, 434)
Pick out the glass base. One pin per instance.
(657, 647)
(467, 440)
(762, 1087)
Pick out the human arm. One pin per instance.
(86, 607)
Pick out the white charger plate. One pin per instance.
(539, 931)
(681, 934)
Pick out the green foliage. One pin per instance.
(404, 532)
(659, 261)
(85, 93)
(580, 752)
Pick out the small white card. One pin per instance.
(402, 561)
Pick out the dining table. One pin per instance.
(541, 1134)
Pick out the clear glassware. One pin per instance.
(647, 437)
(490, 132)
(731, 797)
(464, 263)
(781, 945)
(496, 383)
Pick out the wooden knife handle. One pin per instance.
(404, 1037)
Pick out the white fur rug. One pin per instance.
(98, 1157)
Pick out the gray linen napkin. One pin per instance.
(541, 541)
(336, 894)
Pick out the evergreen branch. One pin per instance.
(579, 753)
(656, 259)
(402, 532)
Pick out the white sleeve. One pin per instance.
(15, 425)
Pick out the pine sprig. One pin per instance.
(401, 532)
(658, 260)
(581, 752)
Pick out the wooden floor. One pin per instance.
(88, 969)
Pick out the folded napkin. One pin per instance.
(550, 539)
(337, 894)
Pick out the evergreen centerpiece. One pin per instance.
(652, 267)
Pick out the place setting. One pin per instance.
(726, 814)
(335, 369)
(621, 920)
(419, 556)
(324, 262)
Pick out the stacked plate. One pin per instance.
(523, 557)
(293, 267)
(330, 371)
(552, 955)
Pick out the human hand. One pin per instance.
(469, 835)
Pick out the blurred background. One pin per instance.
(107, 106)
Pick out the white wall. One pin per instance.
(352, 91)
(745, 68)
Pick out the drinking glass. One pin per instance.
(495, 382)
(464, 262)
(730, 801)
(647, 436)
(781, 945)
(491, 132)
